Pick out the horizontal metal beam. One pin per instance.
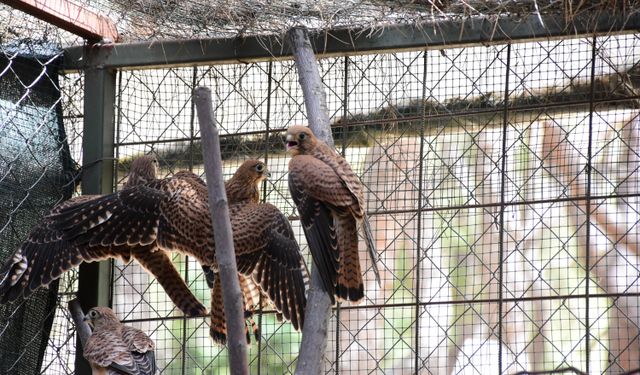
(345, 42)
(69, 16)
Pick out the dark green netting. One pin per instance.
(35, 173)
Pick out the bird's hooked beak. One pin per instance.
(86, 318)
(290, 142)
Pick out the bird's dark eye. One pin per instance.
(260, 168)
(302, 136)
(93, 314)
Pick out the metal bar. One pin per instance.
(264, 188)
(503, 178)
(588, 204)
(466, 113)
(192, 114)
(423, 113)
(94, 284)
(118, 122)
(194, 80)
(435, 35)
(497, 204)
(345, 94)
(69, 16)
(438, 303)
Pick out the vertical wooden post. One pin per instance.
(97, 177)
(82, 328)
(317, 313)
(225, 254)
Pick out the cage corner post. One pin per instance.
(97, 175)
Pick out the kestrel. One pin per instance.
(74, 232)
(146, 220)
(267, 253)
(114, 348)
(330, 201)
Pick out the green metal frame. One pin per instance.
(346, 42)
(97, 178)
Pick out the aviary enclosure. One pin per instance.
(499, 144)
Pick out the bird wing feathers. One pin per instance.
(218, 323)
(110, 226)
(317, 221)
(267, 250)
(324, 155)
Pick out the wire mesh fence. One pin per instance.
(501, 182)
(482, 167)
(36, 172)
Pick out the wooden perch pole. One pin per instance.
(316, 321)
(83, 332)
(225, 253)
(315, 100)
(82, 327)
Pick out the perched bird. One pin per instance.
(150, 218)
(68, 236)
(267, 253)
(331, 205)
(114, 348)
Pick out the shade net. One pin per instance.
(36, 172)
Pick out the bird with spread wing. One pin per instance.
(115, 348)
(330, 201)
(267, 253)
(94, 227)
(148, 219)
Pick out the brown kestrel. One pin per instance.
(148, 219)
(267, 253)
(68, 236)
(331, 205)
(114, 348)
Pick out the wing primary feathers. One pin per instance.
(117, 225)
(280, 269)
(371, 248)
(319, 229)
(209, 276)
(218, 324)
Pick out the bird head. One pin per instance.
(143, 170)
(300, 139)
(252, 171)
(245, 182)
(99, 316)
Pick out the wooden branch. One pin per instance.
(312, 90)
(317, 313)
(69, 16)
(82, 328)
(83, 332)
(225, 253)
